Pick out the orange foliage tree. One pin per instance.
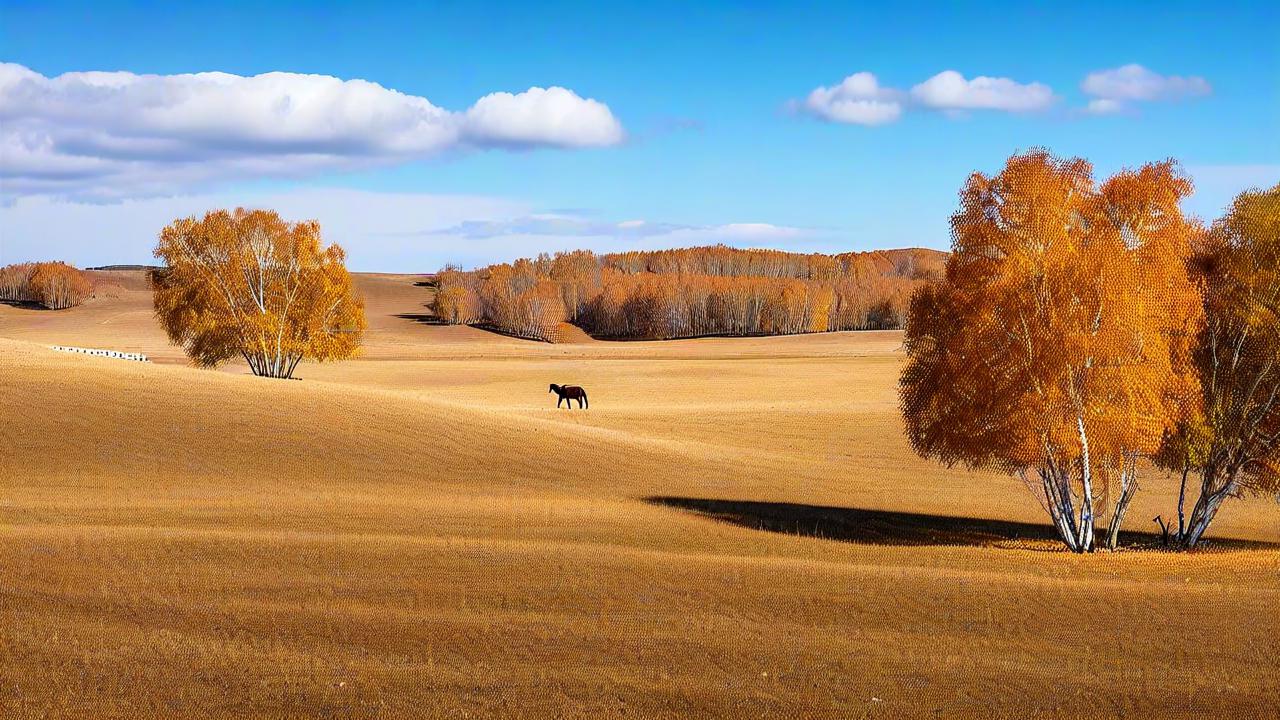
(1056, 345)
(55, 285)
(688, 292)
(1234, 439)
(457, 300)
(249, 284)
(58, 286)
(15, 282)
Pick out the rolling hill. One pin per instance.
(737, 527)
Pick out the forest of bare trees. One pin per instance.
(688, 292)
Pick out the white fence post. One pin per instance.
(116, 354)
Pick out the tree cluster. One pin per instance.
(1082, 327)
(689, 292)
(55, 285)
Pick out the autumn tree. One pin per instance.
(456, 299)
(688, 292)
(55, 285)
(58, 286)
(249, 284)
(1051, 348)
(1233, 442)
(15, 282)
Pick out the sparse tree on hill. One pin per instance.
(1054, 348)
(249, 284)
(1233, 442)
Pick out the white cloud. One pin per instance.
(553, 116)
(1137, 83)
(949, 90)
(858, 99)
(117, 134)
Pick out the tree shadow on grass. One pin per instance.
(26, 305)
(884, 527)
(424, 318)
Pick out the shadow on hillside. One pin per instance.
(424, 318)
(27, 305)
(883, 527)
(433, 319)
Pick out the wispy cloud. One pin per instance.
(379, 230)
(558, 225)
(405, 232)
(1116, 89)
(553, 225)
(1104, 106)
(117, 134)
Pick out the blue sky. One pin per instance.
(698, 121)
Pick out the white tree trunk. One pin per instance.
(1056, 483)
(1086, 499)
(1207, 506)
(1128, 488)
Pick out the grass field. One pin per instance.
(737, 527)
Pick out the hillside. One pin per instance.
(420, 532)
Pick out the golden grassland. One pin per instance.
(420, 533)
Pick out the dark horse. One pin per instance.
(570, 393)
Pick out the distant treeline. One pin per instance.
(688, 292)
(55, 285)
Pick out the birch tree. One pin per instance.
(1052, 347)
(688, 292)
(249, 284)
(55, 285)
(1233, 443)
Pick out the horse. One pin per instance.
(570, 393)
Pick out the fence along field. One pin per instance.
(691, 292)
(97, 352)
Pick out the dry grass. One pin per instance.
(421, 534)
